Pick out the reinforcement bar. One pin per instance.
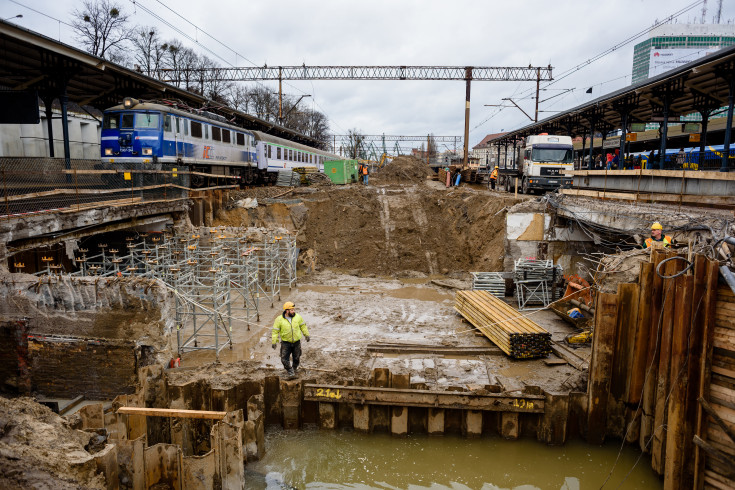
(424, 398)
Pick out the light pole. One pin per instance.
(19, 16)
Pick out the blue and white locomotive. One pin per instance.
(154, 134)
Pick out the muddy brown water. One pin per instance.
(342, 460)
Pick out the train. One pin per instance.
(711, 159)
(153, 134)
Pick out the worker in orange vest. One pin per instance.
(658, 239)
(494, 177)
(365, 174)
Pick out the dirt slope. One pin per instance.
(388, 229)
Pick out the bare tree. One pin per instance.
(239, 98)
(101, 27)
(355, 142)
(431, 146)
(147, 50)
(263, 103)
(171, 60)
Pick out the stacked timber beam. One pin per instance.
(507, 328)
(653, 358)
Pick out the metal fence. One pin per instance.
(38, 185)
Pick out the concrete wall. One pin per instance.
(531, 232)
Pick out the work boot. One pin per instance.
(291, 374)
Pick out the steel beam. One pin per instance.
(349, 72)
(463, 400)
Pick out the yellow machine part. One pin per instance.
(580, 338)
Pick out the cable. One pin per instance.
(176, 29)
(681, 273)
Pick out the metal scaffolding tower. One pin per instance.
(217, 275)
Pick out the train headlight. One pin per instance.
(108, 151)
(147, 151)
(129, 102)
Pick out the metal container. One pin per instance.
(341, 171)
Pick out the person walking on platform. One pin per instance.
(290, 327)
(494, 177)
(651, 159)
(681, 159)
(658, 239)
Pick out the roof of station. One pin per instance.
(701, 84)
(31, 61)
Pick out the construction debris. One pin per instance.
(515, 334)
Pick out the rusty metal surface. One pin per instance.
(424, 398)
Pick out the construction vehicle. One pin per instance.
(540, 166)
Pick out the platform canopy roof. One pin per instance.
(31, 61)
(702, 85)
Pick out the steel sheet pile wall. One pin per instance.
(653, 348)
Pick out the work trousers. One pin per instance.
(287, 350)
(492, 183)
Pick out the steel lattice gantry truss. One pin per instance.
(396, 72)
(477, 73)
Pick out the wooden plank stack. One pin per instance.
(515, 334)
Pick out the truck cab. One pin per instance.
(545, 159)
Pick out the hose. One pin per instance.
(681, 273)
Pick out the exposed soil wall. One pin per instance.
(389, 229)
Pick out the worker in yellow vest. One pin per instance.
(494, 177)
(658, 239)
(290, 327)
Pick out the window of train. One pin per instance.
(270, 151)
(167, 123)
(196, 129)
(178, 125)
(206, 131)
(278, 152)
(110, 121)
(216, 133)
(240, 139)
(186, 126)
(290, 155)
(127, 121)
(225, 135)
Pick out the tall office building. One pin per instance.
(672, 45)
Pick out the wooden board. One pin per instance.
(167, 412)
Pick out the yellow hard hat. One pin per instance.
(288, 305)
(657, 226)
(496, 166)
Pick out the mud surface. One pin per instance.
(39, 450)
(347, 313)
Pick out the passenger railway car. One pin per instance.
(154, 134)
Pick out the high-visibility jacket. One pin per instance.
(494, 174)
(290, 331)
(664, 242)
(364, 170)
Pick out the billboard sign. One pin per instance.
(663, 60)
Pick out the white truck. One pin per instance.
(540, 166)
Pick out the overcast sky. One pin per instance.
(563, 33)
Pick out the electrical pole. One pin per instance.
(468, 81)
